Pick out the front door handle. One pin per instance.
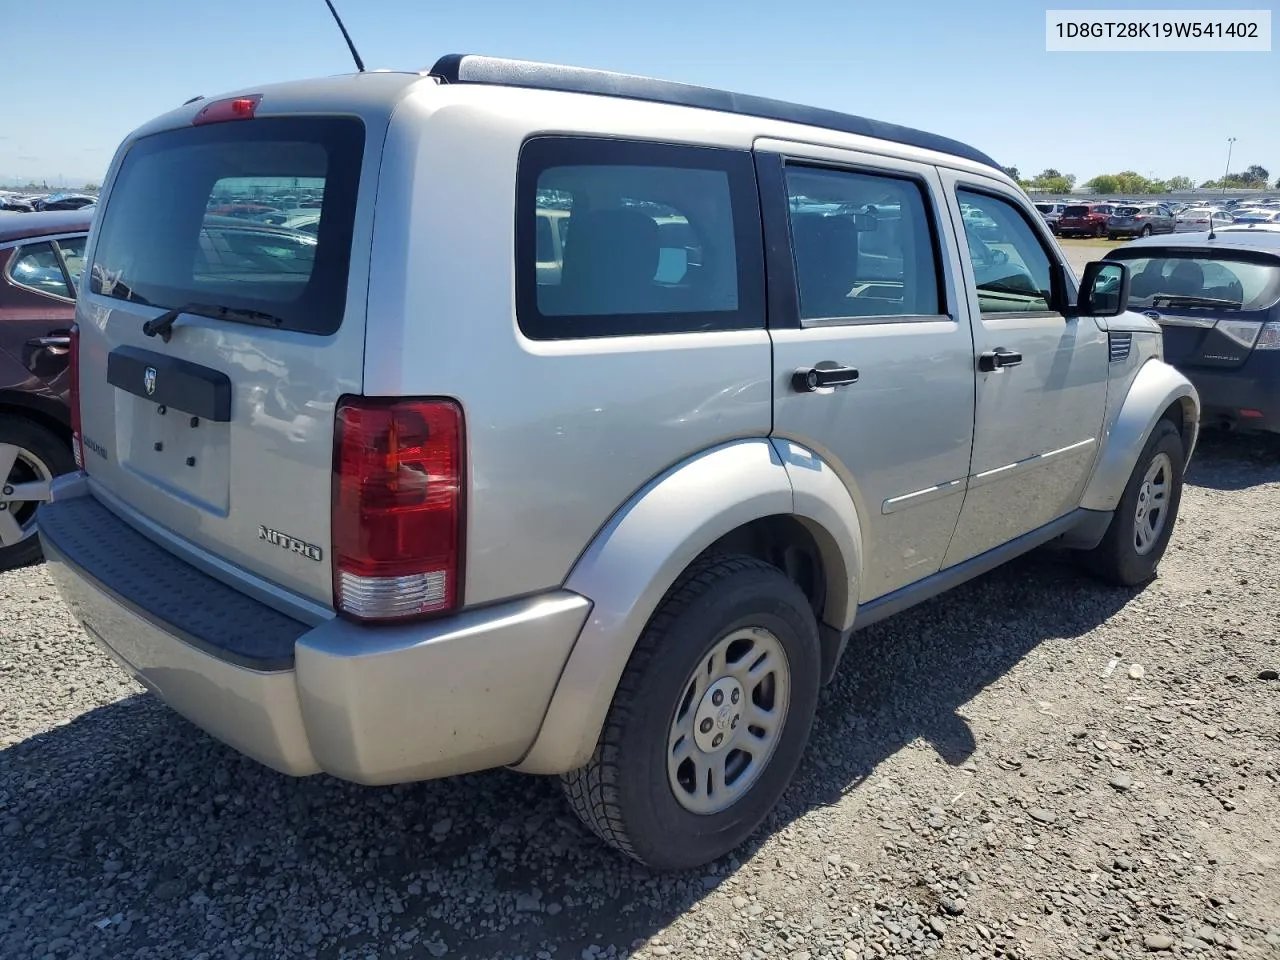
(823, 376)
(997, 359)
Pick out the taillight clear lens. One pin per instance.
(1269, 338)
(397, 507)
(73, 368)
(1243, 332)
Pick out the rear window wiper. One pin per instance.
(162, 326)
(1174, 300)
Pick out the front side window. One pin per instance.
(618, 238)
(36, 266)
(72, 251)
(203, 245)
(1011, 269)
(863, 245)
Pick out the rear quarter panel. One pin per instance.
(560, 434)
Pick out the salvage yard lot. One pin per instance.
(990, 775)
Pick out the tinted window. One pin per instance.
(1130, 211)
(862, 245)
(656, 239)
(36, 265)
(1010, 267)
(1075, 211)
(1213, 283)
(200, 244)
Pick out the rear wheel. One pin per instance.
(1146, 231)
(1143, 522)
(1099, 230)
(710, 718)
(1111, 236)
(30, 457)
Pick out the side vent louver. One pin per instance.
(1120, 344)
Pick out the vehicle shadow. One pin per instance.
(1234, 461)
(137, 812)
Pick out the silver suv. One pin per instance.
(595, 415)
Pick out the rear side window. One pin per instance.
(36, 266)
(619, 238)
(862, 244)
(183, 223)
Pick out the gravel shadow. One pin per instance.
(159, 835)
(1234, 461)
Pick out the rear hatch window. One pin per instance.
(1211, 308)
(1075, 211)
(176, 231)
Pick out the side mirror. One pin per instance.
(1104, 290)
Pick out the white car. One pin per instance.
(1196, 219)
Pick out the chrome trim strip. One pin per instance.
(1012, 469)
(1167, 321)
(928, 495)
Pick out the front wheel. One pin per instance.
(1111, 236)
(1139, 531)
(1099, 230)
(710, 718)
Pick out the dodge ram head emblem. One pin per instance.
(149, 380)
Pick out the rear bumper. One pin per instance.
(1225, 394)
(369, 704)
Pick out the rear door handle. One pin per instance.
(993, 360)
(56, 345)
(823, 376)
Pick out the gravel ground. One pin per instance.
(1030, 766)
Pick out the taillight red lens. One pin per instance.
(73, 367)
(237, 108)
(398, 490)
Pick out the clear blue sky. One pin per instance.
(85, 72)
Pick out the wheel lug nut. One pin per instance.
(718, 740)
(735, 696)
(706, 725)
(717, 698)
(7, 490)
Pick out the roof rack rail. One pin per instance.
(472, 68)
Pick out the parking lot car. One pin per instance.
(41, 258)
(1085, 220)
(1140, 221)
(1218, 303)
(1255, 215)
(412, 504)
(1196, 219)
(1051, 213)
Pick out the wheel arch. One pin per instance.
(749, 496)
(50, 414)
(1158, 392)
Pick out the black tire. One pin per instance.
(1111, 236)
(1145, 231)
(1116, 559)
(54, 454)
(623, 793)
(1098, 231)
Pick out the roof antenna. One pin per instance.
(1212, 235)
(346, 36)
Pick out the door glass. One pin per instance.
(862, 245)
(1010, 267)
(72, 250)
(36, 266)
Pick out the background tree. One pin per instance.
(1012, 173)
(1179, 183)
(1052, 181)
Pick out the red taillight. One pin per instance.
(397, 507)
(237, 108)
(73, 366)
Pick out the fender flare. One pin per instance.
(636, 557)
(1156, 387)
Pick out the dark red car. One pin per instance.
(41, 258)
(1084, 220)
